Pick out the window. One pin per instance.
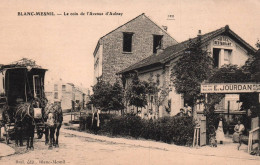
(216, 57)
(55, 87)
(63, 87)
(127, 42)
(227, 56)
(157, 42)
(56, 95)
(36, 85)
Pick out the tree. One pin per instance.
(107, 97)
(160, 92)
(193, 67)
(117, 94)
(136, 93)
(101, 95)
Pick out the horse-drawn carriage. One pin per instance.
(21, 82)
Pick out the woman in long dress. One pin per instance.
(220, 133)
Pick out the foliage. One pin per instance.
(117, 94)
(191, 69)
(136, 92)
(159, 92)
(177, 129)
(252, 65)
(86, 121)
(229, 74)
(107, 97)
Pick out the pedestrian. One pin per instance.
(187, 110)
(220, 133)
(239, 129)
(95, 122)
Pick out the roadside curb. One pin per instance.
(205, 151)
(6, 150)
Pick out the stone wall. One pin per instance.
(115, 60)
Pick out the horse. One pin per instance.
(25, 123)
(53, 118)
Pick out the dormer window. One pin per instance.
(127, 42)
(227, 56)
(216, 53)
(157, 42)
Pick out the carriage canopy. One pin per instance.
(21, 81)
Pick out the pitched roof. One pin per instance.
(143, 14)
(174, 51)
(23, 63)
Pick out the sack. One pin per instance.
(37, 113)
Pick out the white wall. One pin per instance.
(98, 59)
(238, 56)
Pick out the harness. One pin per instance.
(26, 114)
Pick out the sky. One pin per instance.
(65, 44)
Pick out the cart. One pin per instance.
(20, 82)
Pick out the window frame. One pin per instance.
(124, 47)
(160, 43)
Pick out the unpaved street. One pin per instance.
(86, 151)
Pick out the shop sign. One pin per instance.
(222, 41)
(230, 88)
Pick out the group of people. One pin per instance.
(186, 110)
(238, 131)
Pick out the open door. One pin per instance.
(36, 86)
(203, 135)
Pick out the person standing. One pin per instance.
(220, 133)
(95, 122)
(239, 129)
(187, 109)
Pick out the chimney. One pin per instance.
(165, 28)
(199, 33)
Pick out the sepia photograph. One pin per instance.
(141, 82)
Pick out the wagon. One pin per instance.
(21, 82)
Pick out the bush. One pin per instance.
(177, 129)
(85, 122)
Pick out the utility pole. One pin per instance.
(228, 117)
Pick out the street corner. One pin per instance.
(6, 150)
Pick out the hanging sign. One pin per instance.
(230, 88)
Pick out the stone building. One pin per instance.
(224, 45)
(128, 44)
(67, 94)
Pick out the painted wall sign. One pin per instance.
(230, 88)
(222, 41)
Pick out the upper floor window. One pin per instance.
(216, 53)
(55, 95)
(63, 87)
(157, 42)
(227, 56)
(55, 87)
(127, 42)
(96, 63)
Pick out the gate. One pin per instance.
(203, 128)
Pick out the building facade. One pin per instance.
(223, 45)
(128, 44)
(67, 94)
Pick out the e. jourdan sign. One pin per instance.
(230, 88)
